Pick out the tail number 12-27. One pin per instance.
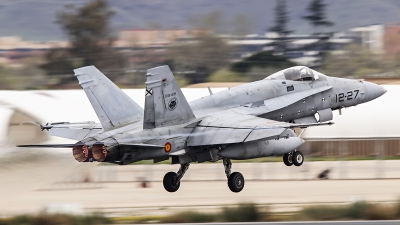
(347, 96)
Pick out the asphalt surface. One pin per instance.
(130, 199)
(379, 222)
(118, 190)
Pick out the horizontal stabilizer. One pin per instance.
(73, 131)
(50, 146)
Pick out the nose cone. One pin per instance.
(373, 91)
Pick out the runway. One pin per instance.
(129, 199)
(117, 190)
(381, 222)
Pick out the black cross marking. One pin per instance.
(149, 92)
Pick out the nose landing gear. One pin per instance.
(298, 158)
(287, 159)
(293, 158)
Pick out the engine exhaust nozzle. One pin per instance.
(99, 151)
(80, 152)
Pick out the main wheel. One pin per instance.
(287, 159)
(170, 183)
(298, 158)
(236, 182)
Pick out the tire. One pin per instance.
(287, 159)
(298, 158)
(236, 182)
(169, 182)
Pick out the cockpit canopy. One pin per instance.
(296, 73)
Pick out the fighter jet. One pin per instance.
(248, 121)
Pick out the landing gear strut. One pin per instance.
(172, 180)
(235, 180)
(293, 158)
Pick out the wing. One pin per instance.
(74, 131)
(231, 127)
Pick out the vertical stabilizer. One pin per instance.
(165, 104)
(113, 107)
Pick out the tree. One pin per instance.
(211, 21)
(281, 19)
(260, 65)
(242, 25)
(90, 38)
(355, 61)
(203, 57)
(253, 68)
(316, 15)
(280, 24)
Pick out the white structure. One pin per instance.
(371, 37)
(377, 119)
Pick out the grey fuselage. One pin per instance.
(344, 93)
(251, 99)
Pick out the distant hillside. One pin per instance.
(34, 19)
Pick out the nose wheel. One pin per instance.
(293, 158)
(298, 158)
(235, 180)
(287, 159)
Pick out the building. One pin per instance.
(370, 36)
(392, 40)
(155, 37)
(304, 50)
(13, 49)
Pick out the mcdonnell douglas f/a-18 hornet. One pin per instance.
(248, 121)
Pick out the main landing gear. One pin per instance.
(172, 180)
(235, 180)
(293, 158)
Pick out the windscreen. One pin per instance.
(297, 73)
